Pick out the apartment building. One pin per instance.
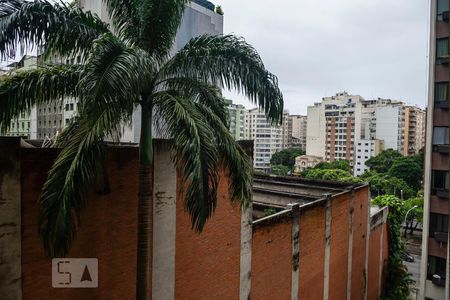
(333, 127)
(236, 119)
(297, 132)
(267, 137)
(414, 132)
(365, 149)
(339, 122)
(434, 271)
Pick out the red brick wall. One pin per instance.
(374, 262)
(385, 254)
(360, 223)
(207, 265)
(272, 261)
(312, 253)
(107, 231)
(339, 246)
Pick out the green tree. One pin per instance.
(408, 169)
(398, 279)
(383, 161)
(115, 69)
(381, 184)
(286, 157)
(415, 216)
(341, 164)
(280, 170)
(331, 174)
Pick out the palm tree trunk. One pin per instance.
(145, 206)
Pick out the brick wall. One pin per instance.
(107, 231)
(272, 260)
(207, 264)
(312, 253)
(340, 208)
(374, 263)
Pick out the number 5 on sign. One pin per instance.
(74, 272)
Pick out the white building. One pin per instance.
(267, 138)
(298, 128)
(365, 149)
(389, 126)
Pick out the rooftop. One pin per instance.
(206, 4)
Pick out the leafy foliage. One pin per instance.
(341, 164)
(381, 184)
(280, 170)
(383, 161)
(408, 169)
(331, 174)
(398, 279)
(286, 157)
(119, 69)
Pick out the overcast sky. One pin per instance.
(373, 48)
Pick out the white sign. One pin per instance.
(75, 272)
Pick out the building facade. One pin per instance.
(297, 136)
(434, 272)
(236, 116)
(365, 149)
(304, 162)
(268, 139)
(338, 122)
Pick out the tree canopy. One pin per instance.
(286, 157)
(383, 161)
(341, 164)
(408, 169)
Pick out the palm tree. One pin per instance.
(115, 68)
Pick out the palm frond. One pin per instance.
(61, 29)
(159, 22)
(198, 91)
(233, 158)
(229, 62)
(115, 72)
(125, 17)
(194, 154)
(23, 89)
(63, 196)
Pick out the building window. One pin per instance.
(440, 180)
(441, 92)
(441, 50)
(442, 7)
(71, 106)
(438, 223)
(440, 136)
(67, 106)
(436, 266)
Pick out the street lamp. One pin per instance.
(406, 216)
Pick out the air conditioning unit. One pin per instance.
(441, 237)
(438, 280)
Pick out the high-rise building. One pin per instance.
(414, 131)
(236, 119)
(25, 124)
(365, 149)
(434, 271)
(339, 122)
(268, 138)
(297, 131)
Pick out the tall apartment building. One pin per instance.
(297, 131)
(434, 271)
(267, 138)
(339, 122)
(365, 149)
(414, 130)
(236, 119)
(333, 127)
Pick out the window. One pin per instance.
(441, 92)
(67, 106)
(71, 106)
(441, 50)
(438, 223)
(439, 180)
(440, 136)
(436, 265)
(442, 6)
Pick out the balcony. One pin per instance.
(443, 149)
(441, 237)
